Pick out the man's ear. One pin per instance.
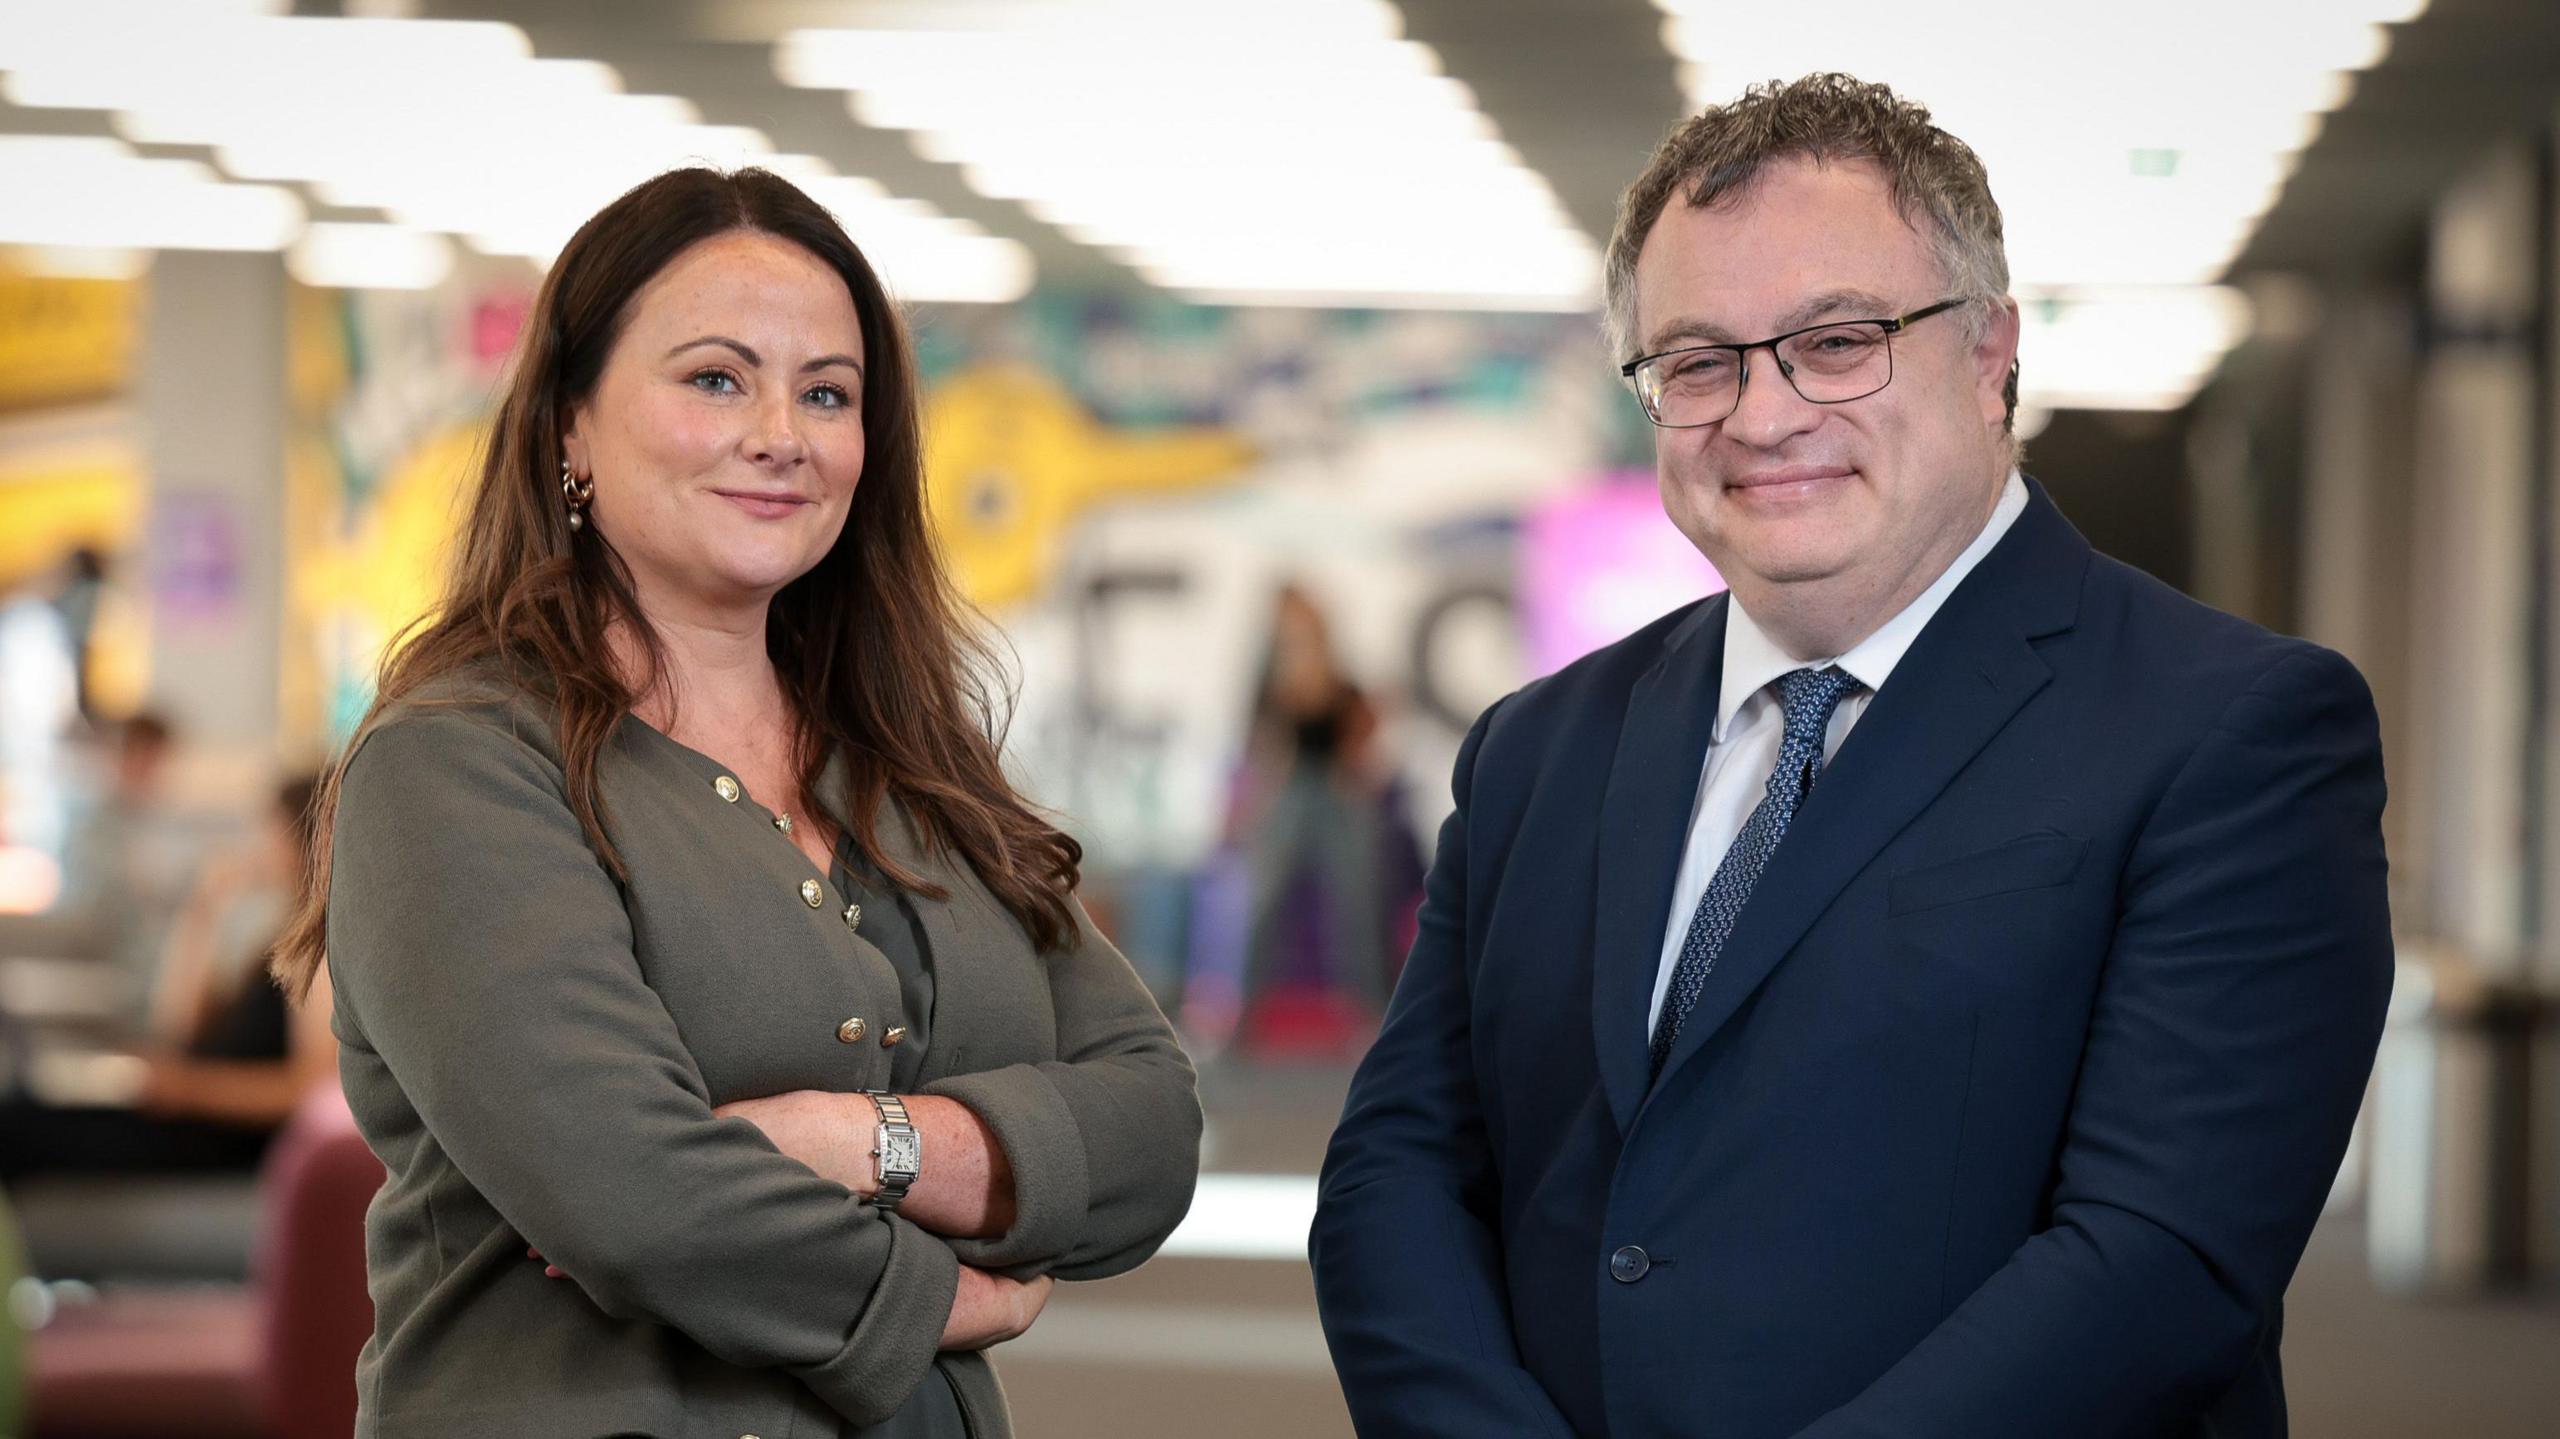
(1995, 362)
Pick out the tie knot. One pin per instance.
(1806, 698)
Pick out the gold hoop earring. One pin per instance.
(576, 492)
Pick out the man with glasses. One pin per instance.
(1924, 991)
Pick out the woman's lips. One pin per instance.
(763, 506)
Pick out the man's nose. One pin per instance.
(1768, 409)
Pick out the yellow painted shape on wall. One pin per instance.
(315, 352)
(388, 573)
(64, 339)
(52, 507)
(316, 384)
(1012, 460)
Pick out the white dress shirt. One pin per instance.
(1749, 724)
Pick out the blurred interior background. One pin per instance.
(1269, 421)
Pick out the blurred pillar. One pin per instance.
(2225, 503)
(2359, 499)
(2544, 444)
(2469, 763)
(2459, 1191)
(214, 405)
(2246, 453)
(2542, 1101)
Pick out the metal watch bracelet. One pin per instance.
(897, 1150)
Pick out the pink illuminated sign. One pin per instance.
(1597, 565)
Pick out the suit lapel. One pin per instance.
(1959, 684)
(1644, 824)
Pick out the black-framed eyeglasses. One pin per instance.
(1828, 364)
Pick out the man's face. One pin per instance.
(1875, 495)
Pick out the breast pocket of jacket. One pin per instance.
(2030, 862)
(1990, 932)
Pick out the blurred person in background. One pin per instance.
(79, 593)
(128, 860)
(128, 863)
(40, 689)
(229, 1060)
(1924, 991)
(1314, 817)
(686, 932)
(48, 702)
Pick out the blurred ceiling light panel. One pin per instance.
(2134, 148)
(77, 192)
(1153, 128)
(2143, 348)
(370, 257)
(446, 126)
(86, 262)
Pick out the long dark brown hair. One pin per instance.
(878, 656)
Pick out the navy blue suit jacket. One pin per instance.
(2008, 1108)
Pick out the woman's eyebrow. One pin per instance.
(744, 353)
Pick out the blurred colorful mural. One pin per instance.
(1130, 478)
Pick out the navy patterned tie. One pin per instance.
(1806, 697)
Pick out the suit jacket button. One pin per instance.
(811, 894)
(726, 788)
(1629, 1264)
(890, 1039)
(852, 1029)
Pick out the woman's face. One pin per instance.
(725, 433)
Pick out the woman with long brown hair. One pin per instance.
(685, 930)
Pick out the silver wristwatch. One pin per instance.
(897, 1151)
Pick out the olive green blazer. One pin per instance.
(535, 1050)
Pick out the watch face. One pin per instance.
(900, 1154)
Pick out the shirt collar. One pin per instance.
(1752, 660)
